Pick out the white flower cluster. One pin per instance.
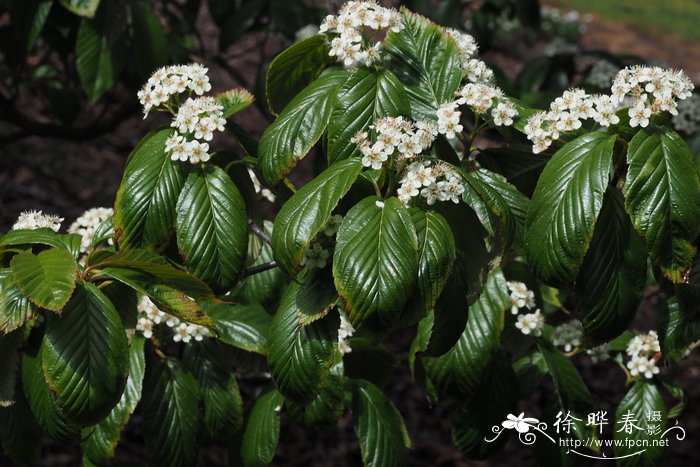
(531, 323)
(422, 178)
(568, 335)
(315, 255)
(150, 316)
(599, 353)
(688, 118)
(197, 118)
(394, 135)
(86, 225)
(520, 296)
(351, 46)
(641, 350)
(602, 73)
(170, 81)
(644, 90)
(473, 69)
(344, 331)
(30, 220)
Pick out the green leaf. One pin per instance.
(150, 49)
(100, 441)
(28, 19)
(572, 393)
(172, 290)
(676, 332)
(212, 227)
(375, 263)
(41, 401)
(300, 356)
(15, 308)
(223, 407)
(144, 211)
(20, 435)
(661, 192)
(234, 100)
(85, 356)
(611, 280)
(9, 359)
(262, 430)
(379, 426)
(565, 206)
(427, 62)
(81, 7)
(436, 255)
(48, 279)
(306, 213)
(368, 95)
(325, 409)
(464, 367)
(171, 414)
(242, 326)
(642, 399)
(293, 69)
(43, 236)
(298, 127)
(93, 61)
(495, 397)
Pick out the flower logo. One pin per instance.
(520, 423)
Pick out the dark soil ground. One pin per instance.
(67, 177)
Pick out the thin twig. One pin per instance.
(259, 232)
(259, 268)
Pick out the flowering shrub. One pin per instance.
(414, 223)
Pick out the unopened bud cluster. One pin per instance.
(568, 335)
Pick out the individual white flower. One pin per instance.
(503, 114)
(431, 193)
(198, 333)
(448, 119)
(172, 321)
(520, 296)
(31, 220)
(640, 365)
(531, 323)
(639, 115)
(145, 327)
(568, 335)
(182, 333)
(599, 353)
(86, 226)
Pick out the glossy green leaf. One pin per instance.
(212, 227)
(368, 95)
(325, 409)
(300, 356)
(144, 210)
(94, 61)
(242, 326)
(41, 401)
(676, 330)
(493, 399)
(234, 100)
(631, 422)
(85, 356)
(565, 206)
(172, 290)
(223, 407)
(48, 279)
(427, 63)
(375, 263)
(150, 50)
(171, 414)
(81, 7)
(571, 392)
(436, 255)
(306, 213)
(262, 430)
(379, 426)
(465, 366)
(294, 68)
(662, 189)
(298, 127)
(43, 236)
(100, 441)
(611, 280)
(15, 308)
